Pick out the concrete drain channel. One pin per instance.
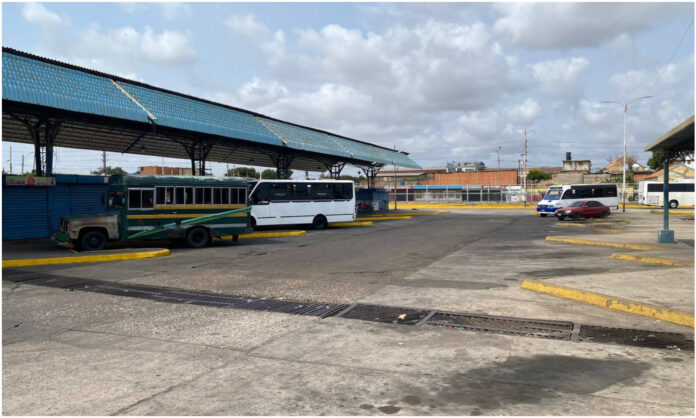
(397, 315)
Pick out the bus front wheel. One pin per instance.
(197, 237)
(319, 222)
(543, 215)
(673, 204)
(94, 240)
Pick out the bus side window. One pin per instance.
(217, 196)
(169, 196)
(159, 193)
(225, 196)
(300, 192)
(597, 192)
(207, 195)
(134, 199)
(188, 195)
(147, 199)
(179, 196)
(199, 195)
(241, 196)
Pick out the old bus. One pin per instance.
(315, 202)
(192, 208)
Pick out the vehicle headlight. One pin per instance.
(569, 211)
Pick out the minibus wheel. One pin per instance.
(543, 215)
(93, 240)
(319, 222)
(197, 237)
(673, 204)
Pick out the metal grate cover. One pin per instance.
(636, 337)
(557, 330)
(386, 314)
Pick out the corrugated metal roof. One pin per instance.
(40, 81)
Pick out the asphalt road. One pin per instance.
(81, 353)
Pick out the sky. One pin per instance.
(441, 81)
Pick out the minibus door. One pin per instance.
(259, 201)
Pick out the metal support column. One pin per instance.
(198, 153)
(665, 236)
(43, 144)
(334, 169)
(371, 172)
(282, 163)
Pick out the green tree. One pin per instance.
(657, 160)
(242, 172)
(270, 174)
(538, 175)
(109, 171)
(353, 178)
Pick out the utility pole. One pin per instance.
(104, 162)
(524, 169)
(625, 108)
(22, 172)
(11, 160)
(395, 171)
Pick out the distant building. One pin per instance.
(570, 165)
(465, 167)
(616, 167)
(406, 177)
(677, 171)
(165, 171)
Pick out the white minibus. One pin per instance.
(681, 193)
(288, 202)
(563, 195)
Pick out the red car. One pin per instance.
(583, 209)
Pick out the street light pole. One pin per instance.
(623, 168)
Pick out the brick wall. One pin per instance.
(489, 177)
(167, 171)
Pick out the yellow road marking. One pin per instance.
(651, 260)
(601, 243)
(175, 207)
(357, 223)
(266, 234)
(673, 212)
(84, 259)
(441, 212)
(381, 218)
(610, 302)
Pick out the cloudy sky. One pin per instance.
(445, 82)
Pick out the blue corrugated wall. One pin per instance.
(33, 212)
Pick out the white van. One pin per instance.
(295, 202)
(563, 195)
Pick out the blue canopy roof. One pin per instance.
(38, 81)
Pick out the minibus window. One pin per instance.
(280, 191)
(160, 192)
(146, 201)
(134, 199)
(322, 191)
(179, 193)
(300, 192)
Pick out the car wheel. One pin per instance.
(319, 222)
(93, 241)
(604, 214)
(560, 218)
(673, 204)
(574, 217)
(197, 237)
(543, 215)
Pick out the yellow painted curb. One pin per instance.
(459, 206)
(673, 212)
(610, 302)
(380, 218)
(601, 243)
(576, 225)
(268, 234)
(441, 212)
(651, 260)
(357, 223)
(84, 259)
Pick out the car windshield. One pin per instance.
(577, 204)
(555, 192)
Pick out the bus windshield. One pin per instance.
(115, 200)
(553, 193)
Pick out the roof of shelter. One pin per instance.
(678, 140)
(106, 112)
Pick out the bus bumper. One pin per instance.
(546, 209)
(61, 237)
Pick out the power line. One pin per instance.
(673, 54)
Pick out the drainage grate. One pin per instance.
(386, 314)
(557, 330)
(640, 338)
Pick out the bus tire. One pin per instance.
(319, 222)
(543, 215)
(604, 214)
(92, 240)
(235, 238)
(673, 204)
(253, 223)
(197, 237)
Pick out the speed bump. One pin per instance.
(99, 258)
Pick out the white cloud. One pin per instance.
(37, 13)
(172, 11)
(166, 47)
(559, 75)
(568, 25)
(525, 112)
(246, 25)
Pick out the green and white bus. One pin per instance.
(193, 208)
